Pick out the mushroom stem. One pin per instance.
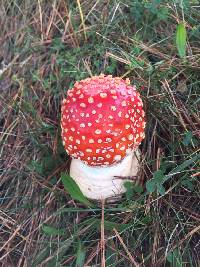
(104, 182)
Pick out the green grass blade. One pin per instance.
(49, 230)
(72, 188)
(182, 166)
(80, 256)
(181, 36)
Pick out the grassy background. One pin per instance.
(45, 47)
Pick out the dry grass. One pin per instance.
(45, 47)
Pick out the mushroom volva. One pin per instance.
(102, 125)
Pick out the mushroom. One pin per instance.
(102, 126)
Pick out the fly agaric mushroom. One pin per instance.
(102, 126)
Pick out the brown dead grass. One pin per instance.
(32, 157)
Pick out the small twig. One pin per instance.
(51, 19)
(10, 238)
(126, 249)
(94, 253)
(196, 174)
(41, 20)
(126, 177)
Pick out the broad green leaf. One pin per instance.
(161, 189)
(181, 36)
(187, 138)
(129, 190)
(151, 185)
(158, 176)
(49, 230)
(72, 188)
(156, 183)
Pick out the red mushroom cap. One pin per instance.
(102, 120)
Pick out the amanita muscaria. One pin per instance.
(102, 126)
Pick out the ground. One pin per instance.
(45, 47)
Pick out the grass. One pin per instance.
(45, 48)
